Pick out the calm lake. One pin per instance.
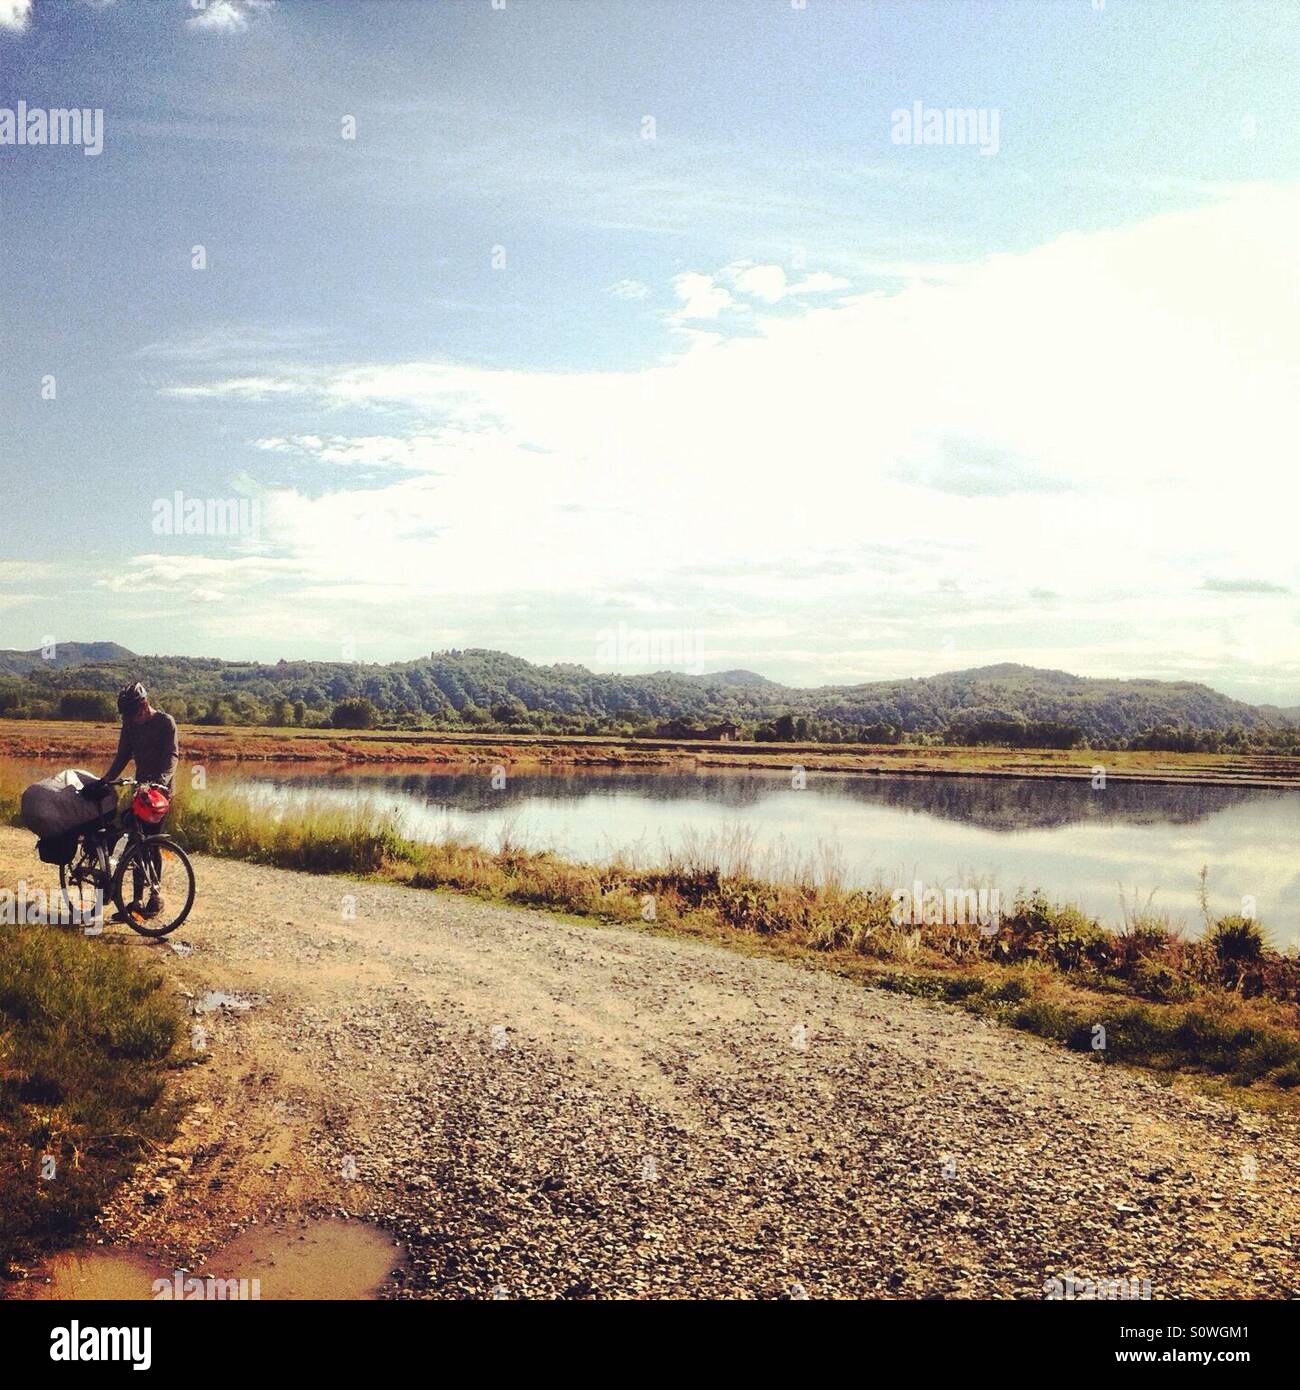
(1129, 841)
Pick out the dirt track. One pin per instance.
(543, 1109)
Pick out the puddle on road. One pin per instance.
(318, 1259)
(91, 1274)
(229, 1000)
(310, 1259)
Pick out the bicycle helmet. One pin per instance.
(131, 698)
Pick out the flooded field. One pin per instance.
(1127, 842)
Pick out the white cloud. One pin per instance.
(15, 14)
(216, 17)
(629, 289)
(252, 388)
(415, 452)
(1244, 586)
(979, 468)
(700, 296)
(706, 296)
(765, 282)
(239, 344)
(205, 577)
(820, 282)
(21, 571)
(1108, 416)
(227, 16)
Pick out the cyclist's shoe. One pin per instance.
(129, 910)
(152, 905)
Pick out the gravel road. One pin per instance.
(542, 1109)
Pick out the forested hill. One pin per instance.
(62, 655)
(478, 689)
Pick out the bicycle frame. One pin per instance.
(103, 839)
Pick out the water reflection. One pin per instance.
(1004, 803)
(1079, 844)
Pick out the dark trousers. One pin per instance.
(131, 823)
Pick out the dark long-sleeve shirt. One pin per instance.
(153, 746)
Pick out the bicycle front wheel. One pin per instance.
(154, 886)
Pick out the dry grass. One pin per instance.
(85, 1038)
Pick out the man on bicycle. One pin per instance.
(149, 738)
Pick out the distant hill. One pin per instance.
(481, 689)
(65, 654)
(993, 703)
(739, 677)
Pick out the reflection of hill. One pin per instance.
(1000, 804)
(473, 791)
(1020, 803)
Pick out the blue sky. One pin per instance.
(768, 389)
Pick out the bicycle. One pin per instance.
(157, 865)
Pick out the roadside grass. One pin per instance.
(86, 1037)
(86, 1040)
(1225, 1006)
(1219, 1036)
(315, 836)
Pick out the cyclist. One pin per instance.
(149, 737)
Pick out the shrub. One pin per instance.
(356, 712)
(1010, 991)
(1061, 935)
(1236, 940)
(1154, 980)
(751, 906)
(88, 704)
(1046, 1019)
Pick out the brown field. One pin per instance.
(65, 739)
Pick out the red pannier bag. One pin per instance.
(150, 804)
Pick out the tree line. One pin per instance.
(487, 691)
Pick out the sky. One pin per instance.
(658, 334)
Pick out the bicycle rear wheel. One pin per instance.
(154, 886)
(81, 884)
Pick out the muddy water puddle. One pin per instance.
(303, 1260)
(92, 1274)
(224, 1001)
(319, 1259)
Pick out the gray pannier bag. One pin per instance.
(54, 810)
